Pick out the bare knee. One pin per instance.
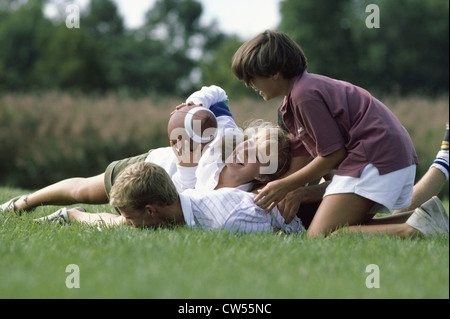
(337, 211)
(79, 190)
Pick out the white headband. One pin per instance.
(188, 126)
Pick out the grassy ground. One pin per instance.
(181, 263)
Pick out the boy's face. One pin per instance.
(268, 88)
(138, 218)
(244, 160)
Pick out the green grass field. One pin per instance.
(181, 263)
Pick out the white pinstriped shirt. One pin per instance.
(233, 210)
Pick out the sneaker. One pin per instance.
(60, 216)
(10, 206)
(430, 218)
(436, 210)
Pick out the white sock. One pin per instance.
(441, 162)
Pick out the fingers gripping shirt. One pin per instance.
(233, 210)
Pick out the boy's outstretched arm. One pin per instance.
(99, 219)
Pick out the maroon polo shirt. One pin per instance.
(324, 115)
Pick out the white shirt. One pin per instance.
(182, 177)
(233, 210)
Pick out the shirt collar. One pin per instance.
(295, 79)
(291, 86)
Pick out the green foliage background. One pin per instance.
(173, 53)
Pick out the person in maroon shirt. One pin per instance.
(341, 126)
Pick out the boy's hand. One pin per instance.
(271, 194)
(187, 159)
(183, 105)
(289, 206)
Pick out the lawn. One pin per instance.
(183, 264)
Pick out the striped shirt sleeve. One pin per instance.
(234, 210)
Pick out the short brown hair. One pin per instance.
(266, 54)
(141, 184)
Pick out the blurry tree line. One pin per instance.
(173, 53)
(407, 54)
(38, 53)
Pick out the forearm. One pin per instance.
(318, 167)
(207, 96)
(313, 194)
(309, 194)
(297, 163)
(105, 219)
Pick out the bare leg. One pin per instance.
(395, 226)
(70, 191)
(428, 186)
(339, 210)
(398, 218)
(394, 230)
(392, 225)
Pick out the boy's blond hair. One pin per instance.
(266, 54)
(141, 184)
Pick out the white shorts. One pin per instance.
(389, 191)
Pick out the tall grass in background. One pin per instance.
(45, 138)
(48, 137)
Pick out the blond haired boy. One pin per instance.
(146, 197)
